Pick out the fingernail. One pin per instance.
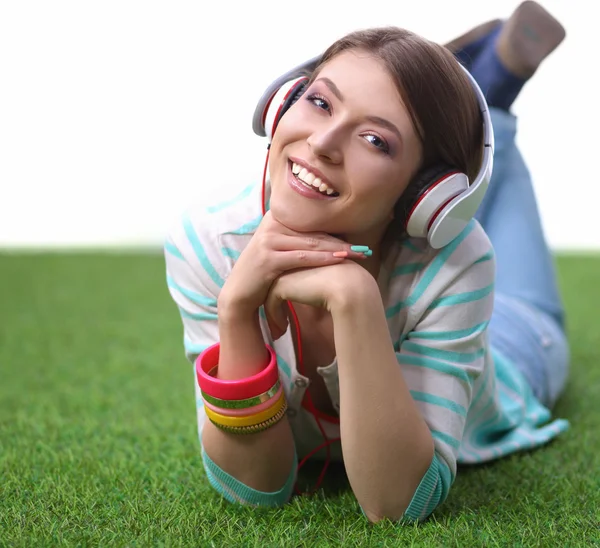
(368, 253)
(340, 254)
(360, 248)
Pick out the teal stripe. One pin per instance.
(432, 490)
(243, 194)
(408, 268)
(231, 253)
(487, 257)
(200, 253)
(197, 316)
(283, 365)
(482, 388)
(247, 494)
(427, 496)
(432, 271)
(197, 298)
(247, 228)
(449, 335)
(458, 357)
(219, 487)
(446, 438)
(192, 348)
(445, 473)
(409, 244)
(439, 401)
(172, 250)
(439, 366)
(462, 298)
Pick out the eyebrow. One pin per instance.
(385, 123)
(334, 89)
(374, 119)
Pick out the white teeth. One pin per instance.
(309, 179)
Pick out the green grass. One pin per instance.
(98, 440)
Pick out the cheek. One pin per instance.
(291, 125)
(374, 182)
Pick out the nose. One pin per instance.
(326, 144)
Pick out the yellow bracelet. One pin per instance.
(261, 427)
(250, 420)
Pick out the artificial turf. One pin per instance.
(98, 443)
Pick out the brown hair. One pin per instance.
(438, 95)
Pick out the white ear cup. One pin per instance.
(277, 104)
(433, 201)
(456, 215)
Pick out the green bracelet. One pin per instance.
(243, 404)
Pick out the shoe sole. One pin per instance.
(527, 38)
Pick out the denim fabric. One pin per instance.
(528, 321)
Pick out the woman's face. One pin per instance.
(351, 135)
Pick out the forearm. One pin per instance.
(263, 460)
(386, 443)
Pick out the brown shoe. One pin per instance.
(472, 35)
(527, 38)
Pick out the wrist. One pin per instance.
(232, 309)
(355, 295)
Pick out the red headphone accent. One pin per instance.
(424, 195)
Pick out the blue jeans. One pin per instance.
(527, 325)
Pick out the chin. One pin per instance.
(295, 219)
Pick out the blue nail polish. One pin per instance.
(368, 253)
(360, 248)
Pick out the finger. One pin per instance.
(275, 311)
(314, 242)
(284, 261)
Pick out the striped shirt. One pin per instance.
(438, 305)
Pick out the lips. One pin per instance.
(312, 178)
(304, 189)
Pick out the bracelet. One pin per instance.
(256, 428)
(241, 389)
(243, 404)
(248, 410)
(248, 420)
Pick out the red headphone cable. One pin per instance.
(309, 402)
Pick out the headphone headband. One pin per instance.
(452, 213)
(305, 69)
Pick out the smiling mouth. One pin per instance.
(313, 182)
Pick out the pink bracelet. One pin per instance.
(248, 410)
(240, 389)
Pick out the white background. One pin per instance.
(116, 114)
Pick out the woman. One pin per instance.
(391, 355)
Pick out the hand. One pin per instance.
(273, 250)
(322, 287)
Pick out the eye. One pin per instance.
(319, 101)
(377, 142)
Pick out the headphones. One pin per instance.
(446, 203)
